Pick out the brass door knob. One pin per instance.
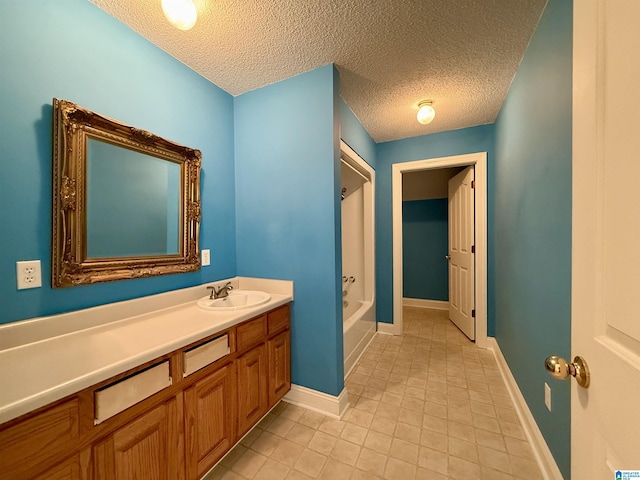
(559, 368)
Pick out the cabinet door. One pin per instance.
(32, 446)
(209, 420)
(67, 470)
(146, 448)
(252, 388)
(279, 366)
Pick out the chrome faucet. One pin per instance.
(220, 292)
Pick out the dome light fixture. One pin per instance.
(425, 112)
(180, 13)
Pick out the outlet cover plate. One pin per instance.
(29, 274)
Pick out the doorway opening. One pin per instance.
(479, 161)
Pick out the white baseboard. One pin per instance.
(546, 462)
(320, 402)
(422, 303)
(386, 328)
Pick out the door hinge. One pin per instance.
(473, 249)
(473, 184)
(473, 313)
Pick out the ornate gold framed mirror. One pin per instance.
(126, 203)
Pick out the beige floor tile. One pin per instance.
(361, 418)
(332, 426)
(519, 448)
(301, 434)
(424, 474)
(494, 459)
(436, 424)
(371, 461)
(354, 433)
(310, 463)
(272, 470)
(362, 475)
(249, 464)
(491, 440)
(287, 453)
(266, 443)
(408, 433)
(311, 419)
(411, 417)
(322, 442)
(335, 470)
(463, 449)
(433, 460)
(399, 470)
(525, 469)
(280, 426)
(345, 452)
(383, 425)
(295, 475)
(425, 405)
(403, 450)
(461, 469)
(379, 442)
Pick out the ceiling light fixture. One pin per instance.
(180, 13)
(426, 112)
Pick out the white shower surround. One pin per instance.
(358, 260)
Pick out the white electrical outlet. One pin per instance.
(206, 257)
(29, 274)
(547, 396)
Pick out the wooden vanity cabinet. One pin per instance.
(278, 349)
(252, 388)
(199, 401)
(36, 444)
(147, 447)
(210, 406)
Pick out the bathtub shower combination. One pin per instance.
(358, 268)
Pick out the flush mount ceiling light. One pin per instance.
(425, 112)
(180, 13)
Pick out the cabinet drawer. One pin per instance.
(121, 395)
(278, 320)
(252, 333)
(32, 445)
(205, 354)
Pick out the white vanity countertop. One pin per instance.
(37, 369)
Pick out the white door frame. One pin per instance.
(479, 160)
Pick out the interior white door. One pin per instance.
(461, 256)
(605, 418)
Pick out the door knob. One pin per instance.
(448, 257)
(560, 369)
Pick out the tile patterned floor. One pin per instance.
(424, 405)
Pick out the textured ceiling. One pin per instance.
(462, 54)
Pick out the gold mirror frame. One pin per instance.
(72, 126)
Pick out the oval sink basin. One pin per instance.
(237, 300)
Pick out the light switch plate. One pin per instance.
(205, 256)
(29, 274)
(547, 396)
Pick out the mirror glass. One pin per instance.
(126, 203)
(133, 203)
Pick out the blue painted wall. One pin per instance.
(73, 50)
(425, 242)
(455, 142)
(353, 134)
(533, 223)
(287, 207)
